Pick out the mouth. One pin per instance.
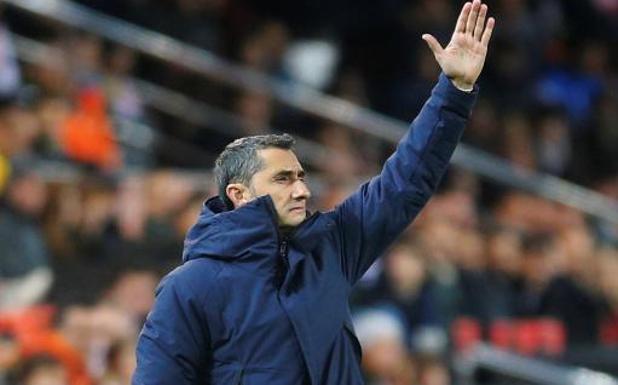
(297, 210)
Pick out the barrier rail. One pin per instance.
(525, 369)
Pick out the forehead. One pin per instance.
(275, 159)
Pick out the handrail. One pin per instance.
(185, 108)
(531, 370)
(59, 171)
(309, 100)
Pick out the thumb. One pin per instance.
(433, 44)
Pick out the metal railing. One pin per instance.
(309, 100)
(524, 369)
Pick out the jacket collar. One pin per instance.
(245, 233)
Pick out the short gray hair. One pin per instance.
(239, 160)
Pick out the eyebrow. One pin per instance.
(290, 173)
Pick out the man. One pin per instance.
(25, 274)
(262, 296)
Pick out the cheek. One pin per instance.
(280, 196)
(280, 205)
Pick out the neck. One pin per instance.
(286, 230)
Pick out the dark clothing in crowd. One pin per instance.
(22, 244)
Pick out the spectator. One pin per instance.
(438, 239)
(127, 108)
(553, 146)
(133, 294)
(386, 361)
(121, 363)
(41, 370)
(504, 249)
(344, 157)
(88, 135)
(25, 275)
(255, 110)
(433, 371)
(406, 286)
(549, 291)
(264, 48)
(538, 269)
(9, 355)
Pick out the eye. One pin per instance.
(281, 178)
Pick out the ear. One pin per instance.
(238, 193)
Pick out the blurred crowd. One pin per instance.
(98, 187)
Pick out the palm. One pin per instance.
(463, 58)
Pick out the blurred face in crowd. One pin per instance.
(256, 112)
(540, 263)
(435, 373)
(75, 327)
(439, 239)
(406, 270)
(168, 192)
(47, 375)
(25, 126)
(134, 292)
(471, 250)
(283, 178)
(387, 362)
(578, 246)
(9, 352)
(28, 194)
(504, 252)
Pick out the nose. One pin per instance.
(300, 190)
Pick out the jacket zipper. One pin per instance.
(284, 264)
(283, 249)
(283, 243)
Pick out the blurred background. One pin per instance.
(113, 111)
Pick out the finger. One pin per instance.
(463, 17)
(488, 30)
(474, 12)
(433, 44)
(480, 23)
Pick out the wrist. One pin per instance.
(462, 85)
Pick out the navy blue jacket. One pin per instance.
(251, 307)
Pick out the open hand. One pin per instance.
(463, 58)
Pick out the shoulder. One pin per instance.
(198, 268)
(195, 278)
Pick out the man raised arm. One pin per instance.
(262, 295)
(381, 209)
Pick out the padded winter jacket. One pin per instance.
(249, 306)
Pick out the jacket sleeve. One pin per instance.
(372, 217)
(173, 346)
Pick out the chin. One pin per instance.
(295, 221)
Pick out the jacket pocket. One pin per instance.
(238, 378)
(347, 326)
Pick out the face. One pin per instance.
(28, 194)
(47, 375)
(283, 178)
(406, 270)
